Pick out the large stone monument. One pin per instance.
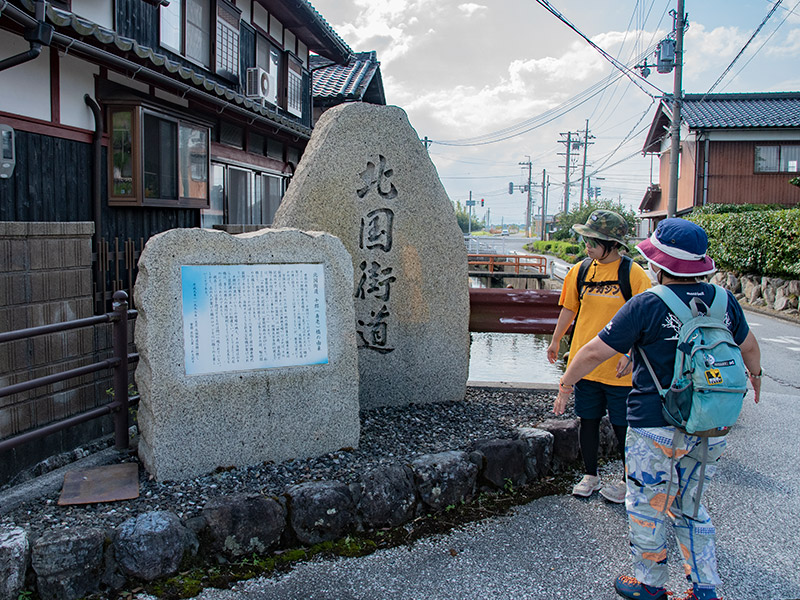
(247, 349)
(366, 178)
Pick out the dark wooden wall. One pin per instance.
(52, 181)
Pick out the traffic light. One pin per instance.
(510, 187)
(481, 201)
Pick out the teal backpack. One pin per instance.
(709, 380)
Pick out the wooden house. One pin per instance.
(735, 149)
(145, 115)
(120, 119)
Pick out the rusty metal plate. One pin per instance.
(101, 484)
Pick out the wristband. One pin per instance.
(564, 388)
(754, 376)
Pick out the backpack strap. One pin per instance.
(581, 281)
(684, 314)
(673, 302)
(719, 305)
(624, 277)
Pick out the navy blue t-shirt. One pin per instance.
(645, 322)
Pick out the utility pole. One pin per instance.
(586, 143)
(469, 214)
(528, 164)
(544, 203)
(675, 126)
(568, 142)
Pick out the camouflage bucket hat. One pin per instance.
(604, 225)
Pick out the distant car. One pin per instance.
(505, 231)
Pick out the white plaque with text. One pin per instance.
(247, 317)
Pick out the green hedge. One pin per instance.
(568, 251)
(754, 240)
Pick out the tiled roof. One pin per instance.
(348, 82)
(777, 109)
(190, 76)
(325, 27)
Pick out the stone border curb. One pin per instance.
(75, 562)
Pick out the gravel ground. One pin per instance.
(388, 435)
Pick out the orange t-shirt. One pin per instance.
(597, 308)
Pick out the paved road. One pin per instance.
(563, 547)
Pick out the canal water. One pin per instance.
(512, 358)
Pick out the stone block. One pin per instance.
(566, 449)
(320, 511)
(539, 451)
(387, 496)
(218, 404)
(68, 562)
(242, 524)
(445, 478)
(608, 447)
(150, 545)
(503, 462)
(15, 555)
(366, 178)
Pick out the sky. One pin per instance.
(510, 73)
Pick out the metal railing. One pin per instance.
(118, 362)
(499, 263)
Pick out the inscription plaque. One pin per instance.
(249, 317)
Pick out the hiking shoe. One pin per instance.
(586, 486)
(614, 492)
(630, 587)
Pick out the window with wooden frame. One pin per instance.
(782, 158)
(192, 28)
(156, 159)
(294, 86)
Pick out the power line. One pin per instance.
(542, 119)
(624, 69)
(749, 60)
(755, 33)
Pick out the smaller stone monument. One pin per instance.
(247, 349)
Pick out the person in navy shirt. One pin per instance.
(659, 457)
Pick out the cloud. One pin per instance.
(392, 27)
(470, 8)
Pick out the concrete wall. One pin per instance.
(46, 277)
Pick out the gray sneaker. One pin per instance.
(614, 492)
(587, 486)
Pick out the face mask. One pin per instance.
(652, 273)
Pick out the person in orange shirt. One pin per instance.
(606, 388)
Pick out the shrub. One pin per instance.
(755, 240)
(568, 251)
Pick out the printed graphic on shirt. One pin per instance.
(611, 289)
(672, 322)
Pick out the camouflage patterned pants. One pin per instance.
(653, 475)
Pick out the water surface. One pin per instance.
(512, 357)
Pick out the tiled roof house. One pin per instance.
(359, 80)
(735, 149)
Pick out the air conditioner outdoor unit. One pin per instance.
(261, 84)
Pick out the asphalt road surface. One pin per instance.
(564, 547)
